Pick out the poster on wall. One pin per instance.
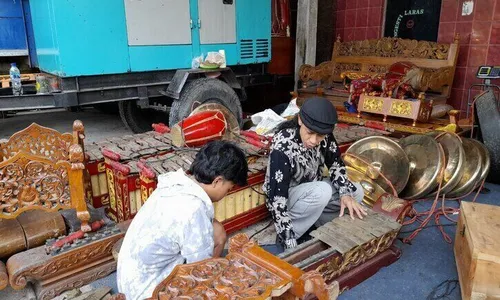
(412, 19)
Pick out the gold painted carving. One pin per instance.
(373, 104)
(402, 108)
(394, 47)
(322, 72)
(339, 265)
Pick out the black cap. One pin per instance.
(319, 115)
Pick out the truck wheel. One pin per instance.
(139, 120)
(205, 90)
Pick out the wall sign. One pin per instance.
(412, 19)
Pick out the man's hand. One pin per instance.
(352, 206)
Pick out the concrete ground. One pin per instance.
(423, 265)
(97, 125)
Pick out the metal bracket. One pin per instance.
(142, 93)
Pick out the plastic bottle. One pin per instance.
(15, 78)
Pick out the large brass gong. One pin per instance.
(454, 160)
(386, 156)
(426, 161)
(485, 155)
(472, 170)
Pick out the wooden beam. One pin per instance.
(305, 47)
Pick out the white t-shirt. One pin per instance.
(173, 227)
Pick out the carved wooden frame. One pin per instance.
(258, 274)
(369, 57)
(43, 169)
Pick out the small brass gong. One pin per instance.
(371, 189)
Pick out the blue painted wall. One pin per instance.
(89, 37)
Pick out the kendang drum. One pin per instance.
(199, 129)
(208, 122)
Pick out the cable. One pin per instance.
(260, 193)
(261, 230)
(428, 226)
(449, 286)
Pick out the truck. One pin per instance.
(137, 53)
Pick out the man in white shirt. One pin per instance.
(176, 225)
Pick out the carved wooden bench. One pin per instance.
(41, 168)
(355, 59)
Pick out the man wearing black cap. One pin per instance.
(297, 197)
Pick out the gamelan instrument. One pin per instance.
(349, 251)
(247, 272)
(207, 122)
(419, 166)
(122, 149)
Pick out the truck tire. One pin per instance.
(205, 90)
(139, 120)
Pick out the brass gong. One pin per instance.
(485, 155)
(371, 189)
(454, 157)
(472, 170)
(426, 162)
(386, 156)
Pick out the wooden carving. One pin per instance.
(247, 272)
(426, 79)
(42, 169)
(37, 140)
(36, 266)
(78, 280)
(415, 110)
(4, 279)
(395, 47)
(322, 72)
(435, 66)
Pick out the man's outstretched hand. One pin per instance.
(353, 207)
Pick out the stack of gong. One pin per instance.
(414, 167)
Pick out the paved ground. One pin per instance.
(97, 125)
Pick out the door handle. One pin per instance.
(229, 2)
(199, 23)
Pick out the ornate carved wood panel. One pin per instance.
(247, 272)
(41, 168)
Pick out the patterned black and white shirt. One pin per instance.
(291, 164)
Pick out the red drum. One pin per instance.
(199, 129)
